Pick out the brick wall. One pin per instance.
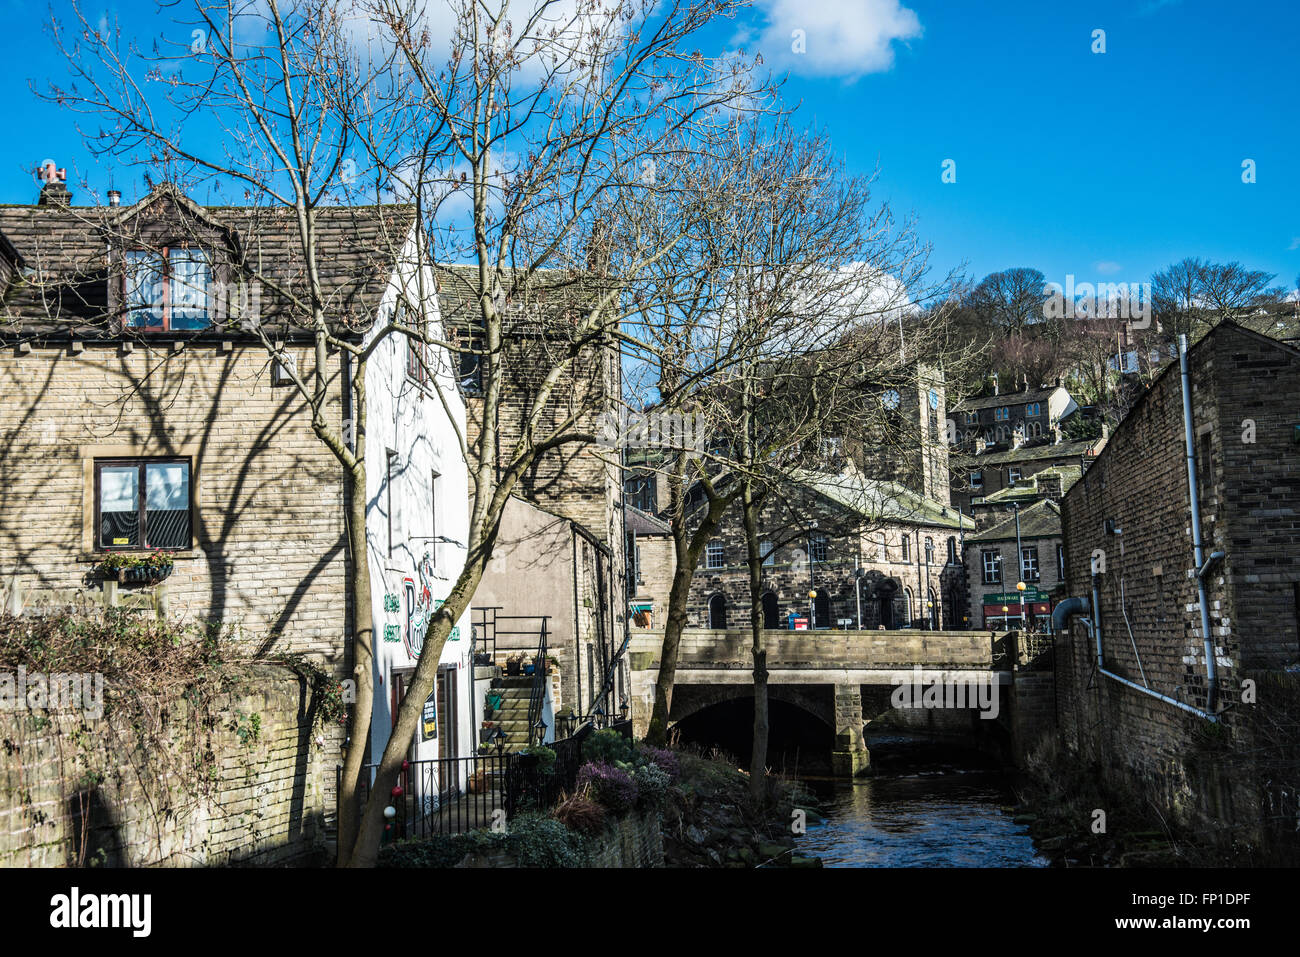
(1250, 506)
(268, 531)
(81, 791)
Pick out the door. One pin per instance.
(448, 729)
(771, 611)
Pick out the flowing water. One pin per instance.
(921, 806)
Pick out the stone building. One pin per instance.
(993, 576)
(141, 411)
(841, 551)
(1221, 760)
(579, 481)
(978, 476)
(651, 560)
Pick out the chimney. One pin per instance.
(55, 191)
(115, 197)
(995, 383)
(1051, 485)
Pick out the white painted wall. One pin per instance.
(410, 421)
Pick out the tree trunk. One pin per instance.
(758, 757)
(363, 672)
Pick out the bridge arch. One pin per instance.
(816, 700)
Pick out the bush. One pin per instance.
(652, 783)
(665, 759)
(611, 786)
(607, 747)
(533, 840)
(545, 758)
(580, 812)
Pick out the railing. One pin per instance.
(443, 796)
(537, 698)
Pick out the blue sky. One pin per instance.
(1106, 165)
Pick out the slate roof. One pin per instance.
(645, 524)
(1026, 453)
(62, 287)
(877, 499)
(1027, 488)
(1040, 520)
(1007, 398)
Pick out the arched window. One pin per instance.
(771, 611)
(952, 550)
(907, 609)
(929, 550)
(718, 613)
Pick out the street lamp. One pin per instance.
(812, 609)
(1020, 587)
(1005, 609)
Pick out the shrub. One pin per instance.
(533, 840)
(665, 759)
(580, 812)
(545, 758)
(652, 783)
(607, 747)
(611, 786)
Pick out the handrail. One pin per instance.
(537, 699)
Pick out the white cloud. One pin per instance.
(1295, 244)
(839, 37)
(1107, 267)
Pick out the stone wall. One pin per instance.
(248, 780)
(268, 534)
(1245, 392)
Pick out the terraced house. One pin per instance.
(149, 365)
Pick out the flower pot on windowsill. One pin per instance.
(138, 574)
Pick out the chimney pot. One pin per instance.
(115, 197)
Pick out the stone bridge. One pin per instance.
(829, 674)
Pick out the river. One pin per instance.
(922, 805)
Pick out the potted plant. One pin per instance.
(529, 667)
(482, 658)
(513, 665)
(136, 568)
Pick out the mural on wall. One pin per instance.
(420, 606)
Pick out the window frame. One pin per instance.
(715, 550)
(907, 547)
(993, 575)
(1029, 562)
(168, 276)
(141, 462)
(817, 542)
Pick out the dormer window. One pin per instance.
(166, 290)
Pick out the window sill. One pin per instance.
(190, 554)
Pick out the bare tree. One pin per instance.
(511, 133)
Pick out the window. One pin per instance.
(768, 551)
(1029, 563)
(992, 562)
(1013, 476)
(976, 481)
(634, 560)
(817, 548)
(907, 548)
(908, 610)
(283, 369)
(889, 398)
(166, 290)
(1034, 408)
(470, 360)
(929, 550)
(417, 352)
(641, 492)
(972, 418)
(1060, 563)
(718, 613)
(952, 550)
(713, 555)
(433, 517)
(1035, 429)
(143, 503)
(1002, 414)
(391, 469)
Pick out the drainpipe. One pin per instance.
(1211, 666)
(1078, 605)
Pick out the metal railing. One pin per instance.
(537, 696)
